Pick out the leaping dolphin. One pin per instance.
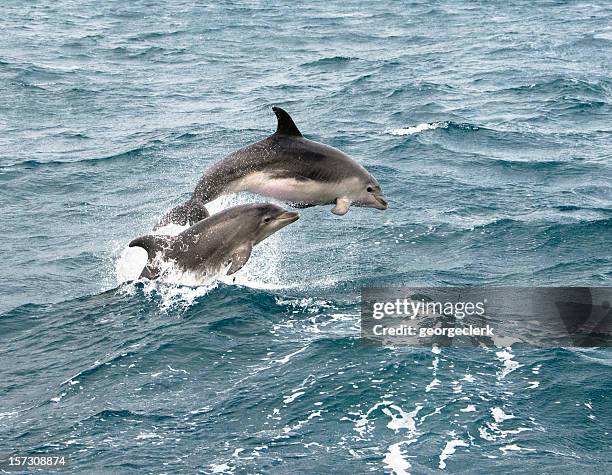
(289, 167)
(213, 243)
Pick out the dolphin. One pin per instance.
(213, 243)
(288, 167)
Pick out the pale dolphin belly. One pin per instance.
(293, 190)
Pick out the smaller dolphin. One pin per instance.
(213, 243)
(289, 167)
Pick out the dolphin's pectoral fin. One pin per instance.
(342, 206)
(286, 126)
(240, 258)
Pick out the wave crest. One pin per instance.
(418, 128)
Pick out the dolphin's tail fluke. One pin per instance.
(152, 244)
(189, 213)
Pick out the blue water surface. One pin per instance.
(489, 127)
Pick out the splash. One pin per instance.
(132, 260)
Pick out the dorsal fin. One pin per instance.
(286, 126)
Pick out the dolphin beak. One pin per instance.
(382, 202)
(288, 217)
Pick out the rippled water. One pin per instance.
(488, 127)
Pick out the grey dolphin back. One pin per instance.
(219, 177)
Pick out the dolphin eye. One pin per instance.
(369, 189)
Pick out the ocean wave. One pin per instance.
(128, 154)
(147, 52)
(123, 414)
(153, 35)
(503, 145)
(566, 105)
(563, 84)
(566, 96)
(170, 296)
(552, 220)
(329, 61)
(505, 135)
(32, 73)
(559, 235)
(517, 163)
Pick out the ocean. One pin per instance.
(489, 128)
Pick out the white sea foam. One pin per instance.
(514, 448)
(58, 398)
(499, 415)
(292, 397)
(395, 461)
(506, 357)
(417, 128)
(434, 383)
(286, 358)
(148, 435)
(492, 430)
(221, 468)
(287, 429)
(401, 420)
(450, 449)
